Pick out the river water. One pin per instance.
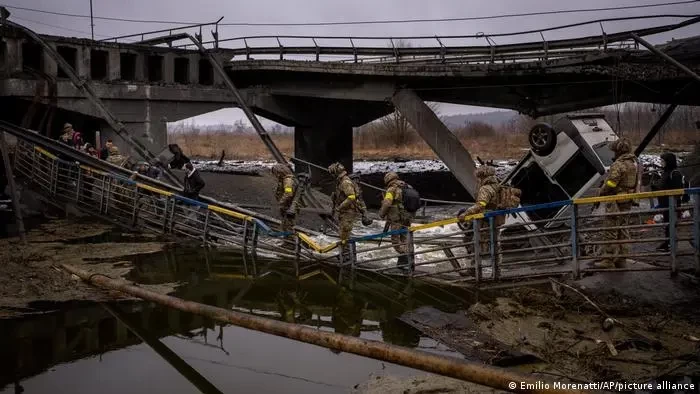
(83, 348)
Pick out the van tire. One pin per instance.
(543, 139)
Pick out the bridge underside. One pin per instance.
(332, 97)
(535, 88)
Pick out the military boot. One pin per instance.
(402, 262)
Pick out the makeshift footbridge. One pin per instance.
(438, 251)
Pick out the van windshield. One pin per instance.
(606, 155)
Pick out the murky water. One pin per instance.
(86, 349)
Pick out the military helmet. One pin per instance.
(621, 146)
(485, 172)
(280, 170)
(390, 176)
(336, 169)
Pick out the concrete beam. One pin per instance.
(445, 144)
(363, 91)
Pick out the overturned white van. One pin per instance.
(565, 160)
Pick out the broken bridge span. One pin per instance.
(154, 80)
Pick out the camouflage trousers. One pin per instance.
(619, 234)
(287, 226)
(400, 240)
(346, 222)
(485, 238)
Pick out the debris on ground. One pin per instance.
(419, 384)
(30, 278)
(567, 331)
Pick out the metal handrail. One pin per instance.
(122, 200)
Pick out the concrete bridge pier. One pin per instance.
(323, 145)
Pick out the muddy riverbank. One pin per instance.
(30, 280)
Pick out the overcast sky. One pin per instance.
(286, 11)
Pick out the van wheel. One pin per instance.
(542, 139)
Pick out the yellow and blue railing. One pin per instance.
(264, 228)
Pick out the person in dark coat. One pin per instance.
(193, 182)
(670, 179)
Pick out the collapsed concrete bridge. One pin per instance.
(146, 85)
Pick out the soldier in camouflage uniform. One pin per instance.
(284, 193)
(487, 199)
(394, 212)
(345, 201)
(622, 179)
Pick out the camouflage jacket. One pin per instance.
(392, 205)
(284, 192)
(622, 178)
(346, 195)
(486, 197)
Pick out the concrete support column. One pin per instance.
(140, 67)
(49, 64)
(83, 62)
(169, 68)
(114, 73)
(13, 56)
(194, 68)
(218, 79)
(445, 144)
(323, 145)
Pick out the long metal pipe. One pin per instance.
(448, 366)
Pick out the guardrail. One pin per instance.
(441, 48)
(481, 251)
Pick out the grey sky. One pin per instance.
(334, 10)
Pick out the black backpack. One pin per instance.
(685, 197)
(411, 199)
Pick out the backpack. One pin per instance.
(508, 197)
(410, 199)
(685, 197)
(77, 139)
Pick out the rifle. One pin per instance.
(386, 228)
(300, 189)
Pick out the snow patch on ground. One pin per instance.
(260, 167)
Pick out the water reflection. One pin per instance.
(347, 302)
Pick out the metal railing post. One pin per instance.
(297, 255)
(477, 249)
(33, 174)
(206, 226)
(245, 237)
(165, 214)
(411, 249)
(107, 195)
(673, 242)
(353, 254)
(254, 240)
(136, 203)
(492, 247)
(102, 194)
(574, 240)
(78, 183)
(696, 231)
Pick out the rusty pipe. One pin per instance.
(448, 366)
